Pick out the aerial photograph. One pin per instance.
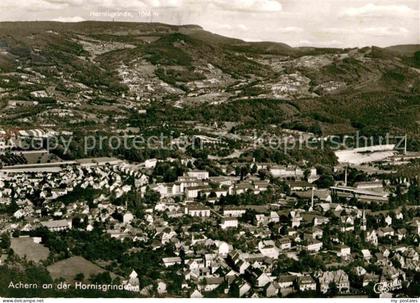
(221, 149)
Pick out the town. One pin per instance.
(251, 229)
(143, 160)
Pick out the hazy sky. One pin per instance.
(333, 23)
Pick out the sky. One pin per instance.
(321, 23)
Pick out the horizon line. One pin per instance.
(200, 26)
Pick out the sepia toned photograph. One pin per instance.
(209, 149)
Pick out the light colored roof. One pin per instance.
(197, 207)
(358, 191)
(55, 224)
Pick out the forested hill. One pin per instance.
(97, 66)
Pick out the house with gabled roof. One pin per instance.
(339, 278)
(306, 283)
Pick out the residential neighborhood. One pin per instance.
(270, 151)
(252, 234)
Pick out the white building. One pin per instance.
(234, 211)
(343, 251)
(268, 249)
(229, 223)
(306, 283)
(128, 217)
(199, 174)
(197, 210)
(314, 246)
(58, 225)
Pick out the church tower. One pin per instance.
(363, 227)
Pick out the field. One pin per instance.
(69, 268)
(27, 248)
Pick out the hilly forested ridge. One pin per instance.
(101, 73)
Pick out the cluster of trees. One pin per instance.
(164, 51)
(87, 195)
(374, 116)
(305, 263)
(82, 71)
(403, 195)
(95, 245)
(318, 156)
(249, 113)
(4, 241)
(136, 203)
(175, 76)
(353, 176)
(202, 152)
(106, 149)
(168, 171)
(413, 194)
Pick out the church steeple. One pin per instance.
(363, 227)
(312, 201)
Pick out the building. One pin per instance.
(290, 172)
(272, 290)
(199, 174)
(284, 243)
(372, 237)
(385, 232)
(58, 225)
(171, 261)
(361, 194)
(234, 211)
(339, 278)
(313, 245)
(194, 191)
(306, 283)
(300, 186)
(229, 223)
(286, 281)
(343, 251)
(369, 185)
(268, 249)
(197, 210)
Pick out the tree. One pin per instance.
(417, 58)
(306, 174)
(102, 278)
(333, 289)
(249, 216)
(263, 174)
(413, 290)
(151, 196)
(325, 181)
(79, 222)
(5, 241)
(79, 277)
(254, 169)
